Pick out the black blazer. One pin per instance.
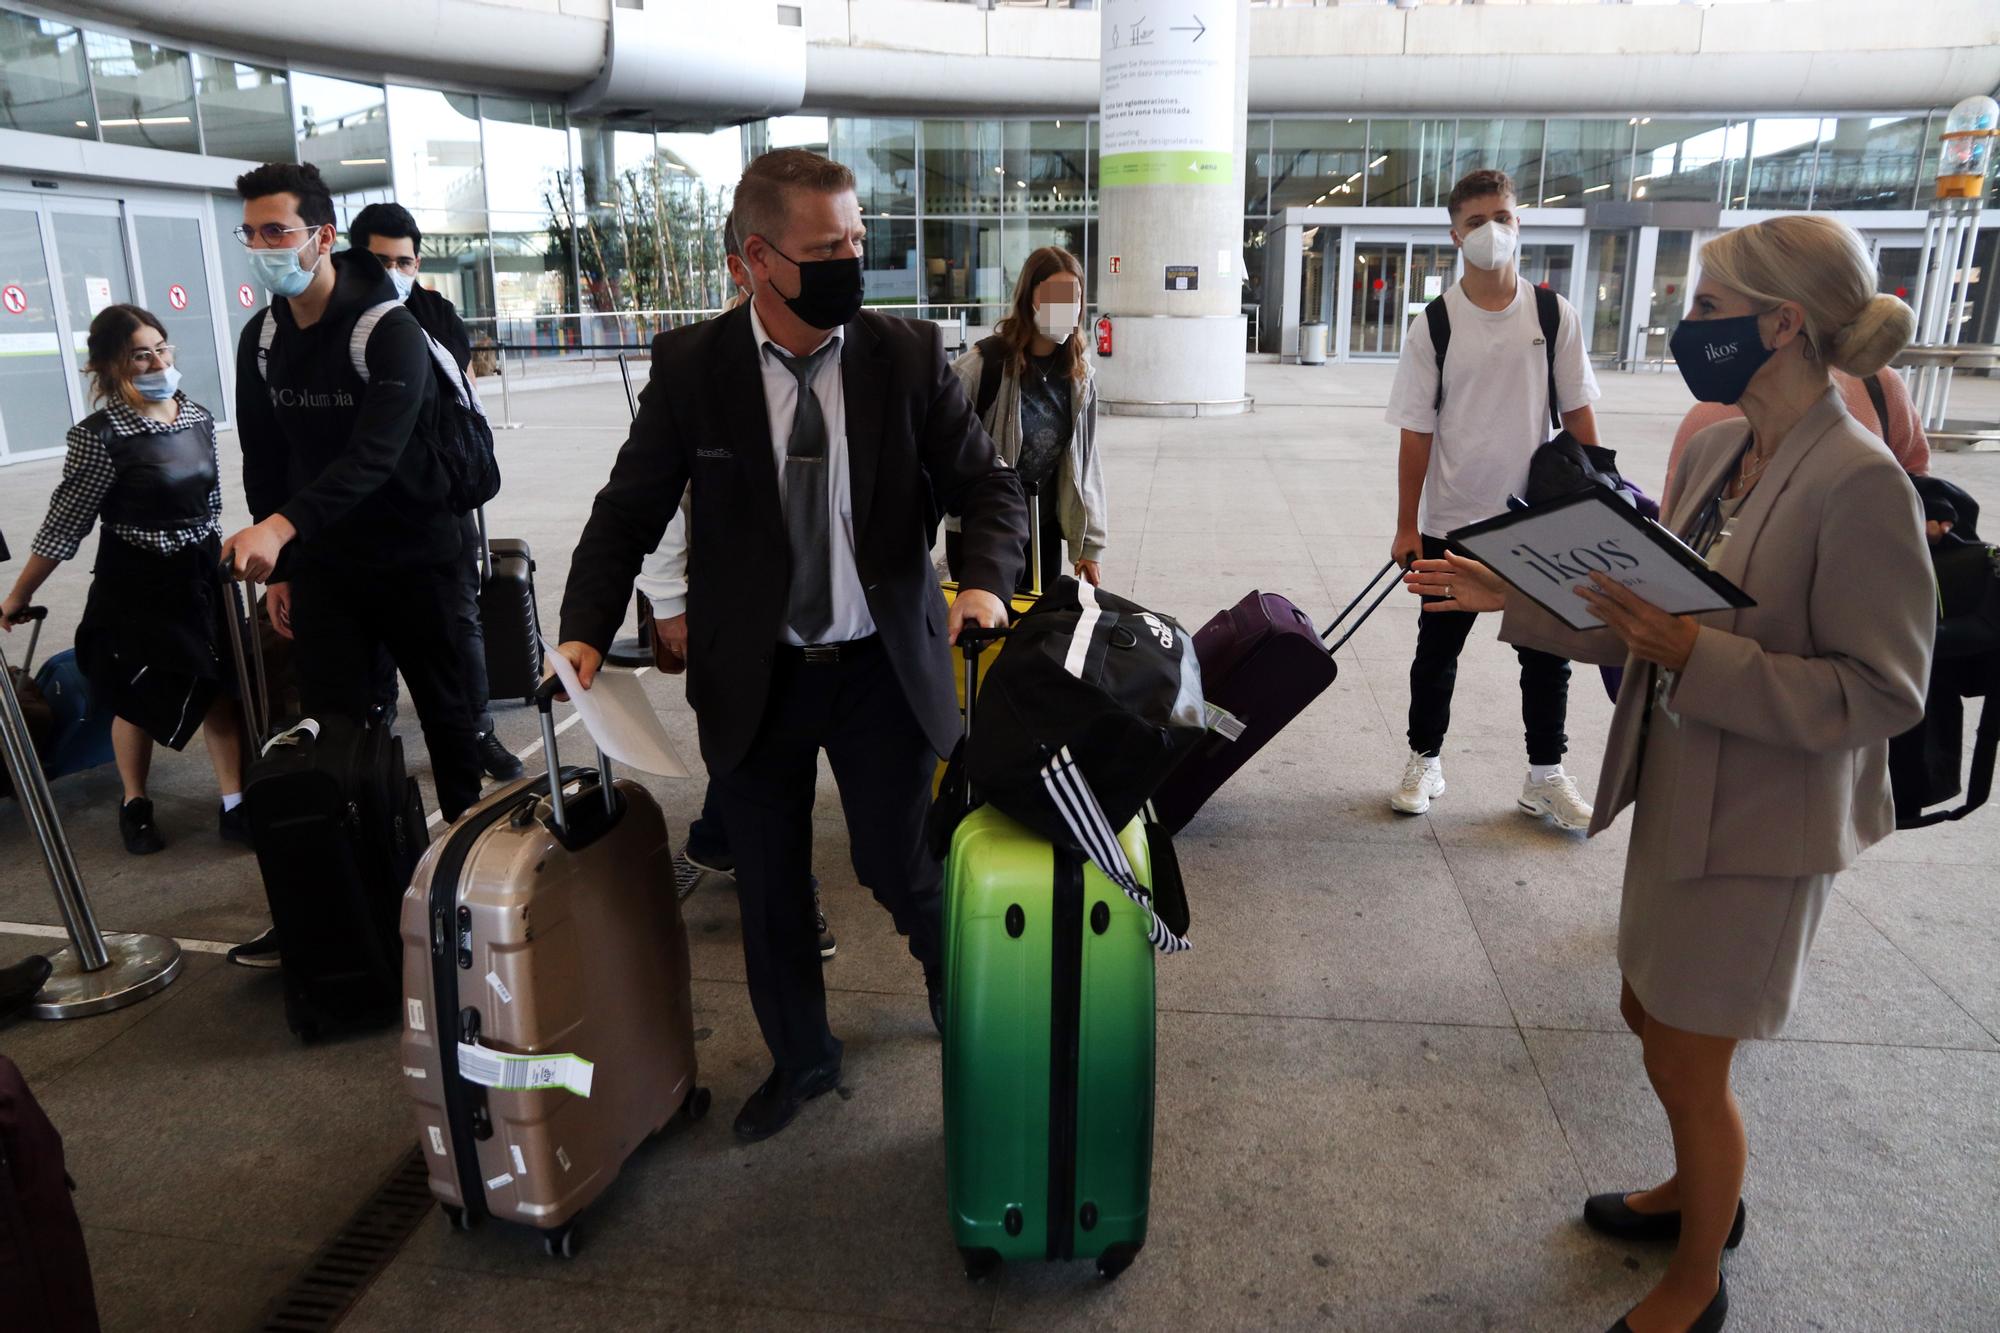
(915, 451)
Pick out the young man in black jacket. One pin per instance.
(388, 232)
(353, 531)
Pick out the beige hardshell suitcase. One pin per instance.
(548, 1028)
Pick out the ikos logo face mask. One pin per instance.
(1718, 357)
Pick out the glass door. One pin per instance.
(35, 410)
(174, 284)
(1376, 314)
(93, 268)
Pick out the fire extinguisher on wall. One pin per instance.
(1104, 335)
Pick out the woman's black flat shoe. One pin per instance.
(1610, 1214)
(1709, 1320)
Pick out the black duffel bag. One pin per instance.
(1087, 673)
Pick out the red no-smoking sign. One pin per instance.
(16, 300)
(177, 297)
(245, 297)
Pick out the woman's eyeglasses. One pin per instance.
(270, 233)
(163, 355)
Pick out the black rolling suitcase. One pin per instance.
(338, 827)
(507, 614)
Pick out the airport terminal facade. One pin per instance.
(120, 150)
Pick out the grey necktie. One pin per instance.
(809, 608)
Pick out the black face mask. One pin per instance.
(829, 290)
(1718, 357)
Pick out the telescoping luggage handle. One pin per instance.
(1363, 617)
(31, 615)
(545, 704)
(1075, 801)
(251, 683)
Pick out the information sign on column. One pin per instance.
(1168, 92)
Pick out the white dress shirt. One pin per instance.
(851, 618)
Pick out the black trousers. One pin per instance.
(1433, 672)
(1052, 551)
(855, 710)
(471, 635)
(343, 621)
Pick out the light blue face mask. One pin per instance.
(280, 270)
(404, 282)
(158, 385)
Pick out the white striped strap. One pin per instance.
(1078, 806)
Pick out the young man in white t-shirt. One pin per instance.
(1465, 450)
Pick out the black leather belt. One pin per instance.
(814, 654)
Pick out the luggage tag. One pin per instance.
(524, 1073)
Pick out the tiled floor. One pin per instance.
(1389, 1071)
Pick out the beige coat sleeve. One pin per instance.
(1872, 617)
(1526, 625)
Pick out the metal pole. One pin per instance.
(1920, 387)
(97, 972)
(506, 399)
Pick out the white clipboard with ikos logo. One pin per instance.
(1545, 550)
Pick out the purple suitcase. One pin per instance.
(1263, 662)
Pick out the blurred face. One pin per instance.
(397, 253)
(1058, 301)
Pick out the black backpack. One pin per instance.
(464, 436)
(1924, 762)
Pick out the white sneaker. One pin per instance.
(1557, 798)
(1423, 778)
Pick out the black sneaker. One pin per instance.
(715, 863)
(826, 945)
(260, 952)
(136, 827)
(234, 825)
(686, 875)
(493, 757)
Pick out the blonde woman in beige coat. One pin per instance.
(1752, 745)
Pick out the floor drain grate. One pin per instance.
(321, 1296)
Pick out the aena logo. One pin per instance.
(1160, 631)
(1721, 353)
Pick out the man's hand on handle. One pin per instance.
(1406, 547)
(584, 658)
(975, 606)
(253, 553)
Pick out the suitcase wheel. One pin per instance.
(1115, 1261)
(457, 1216)
(560, 1242)
(980, 1264)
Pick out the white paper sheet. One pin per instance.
(619, 717)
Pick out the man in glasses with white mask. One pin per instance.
(1471, 421)
(354, 531)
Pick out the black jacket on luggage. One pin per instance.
(352, 465)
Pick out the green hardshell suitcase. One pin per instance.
(1048, 1049)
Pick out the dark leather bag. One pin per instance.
(44, 1268)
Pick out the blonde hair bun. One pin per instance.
(1872, 338)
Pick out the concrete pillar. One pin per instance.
(1174, 94)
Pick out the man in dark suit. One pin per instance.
(822, 444)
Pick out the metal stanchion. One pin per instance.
(506, 400)
(97, 972)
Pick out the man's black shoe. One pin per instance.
(934, 983)
(21, 983)
(234, 825)
(260, 952)
(493, 757)
(136, 827)
(772, 1106)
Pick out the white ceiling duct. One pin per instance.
(685, 61)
